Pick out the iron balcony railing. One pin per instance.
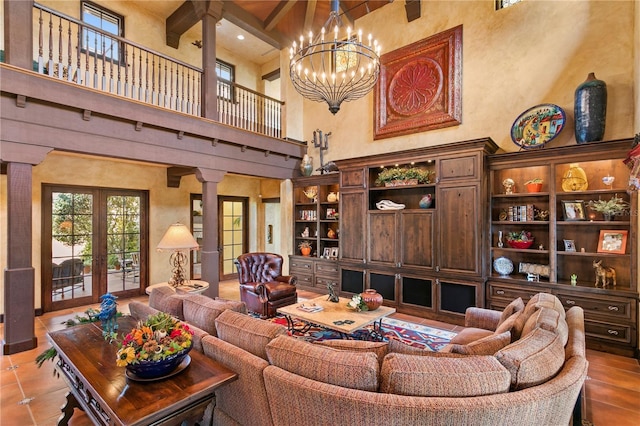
(72, 50)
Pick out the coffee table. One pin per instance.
(335, 316)
(97, 386)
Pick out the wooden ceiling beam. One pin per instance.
(309, 14)
(243, 19)
(174, 175)
(186, 16)
(278, 13)
(347, 16)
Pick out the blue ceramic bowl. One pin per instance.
(156, 369)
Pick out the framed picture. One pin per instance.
(569, 245)
(573, 210)
(331, 213)
(334, 252)
(613, 241)
(326, 253)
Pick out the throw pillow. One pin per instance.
(513, 307)
(246, 332)
(354, 370)
(511, 325)
(202, 311)
(443, 376)
(486, 346)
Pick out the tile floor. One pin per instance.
(33, 396)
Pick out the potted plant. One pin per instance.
(397, 176)
(534, 185)
(616, 206)
(305, 248)
(520, 240)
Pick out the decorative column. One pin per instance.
(18, 33)
(210, 238)
(209, 78)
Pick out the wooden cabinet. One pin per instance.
(424, 258)
(317, 221)
(569, 237)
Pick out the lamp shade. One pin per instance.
(177, 237)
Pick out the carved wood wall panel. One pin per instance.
(419, 87)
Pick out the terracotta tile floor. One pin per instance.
(33, 396)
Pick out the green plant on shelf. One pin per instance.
(536, 180)
(614, 207)
(519, 236)
(403, 173)
(304, 244)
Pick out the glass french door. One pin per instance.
(94, 242)
(233, 218)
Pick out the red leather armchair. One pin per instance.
(262, 287)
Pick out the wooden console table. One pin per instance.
(101, 389)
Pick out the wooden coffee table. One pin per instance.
(101, 389)
(335, 316)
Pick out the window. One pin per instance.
(226, 74)
(501, 4)
(99, 43)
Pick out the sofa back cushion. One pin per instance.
(354, 370)
(379, 348)
(444, 376)
(513, 325)
(548, 319)
(544, 300)
(534, 359)
(165, 299)
(246, 332)
(486, 346)
(202, 311)
(515, 306)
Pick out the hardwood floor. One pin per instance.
(33, 396)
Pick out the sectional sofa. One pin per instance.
(523, 366)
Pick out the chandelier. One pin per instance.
(334, 71)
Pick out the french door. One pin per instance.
(94, 242)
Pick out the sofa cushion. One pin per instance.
(165, 299)
(486, 346)
(379, 348)
(234, 305)
(515, 306)
(354, 370)
(548, 319)
(469, 335)
(202, 311)
(511, 325)
(534, 359)
(443, 376)
(246, 332)
(545, 300)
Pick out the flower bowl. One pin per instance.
(148, 369)
(520, 244)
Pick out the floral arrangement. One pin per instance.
(614, 206)
(357, 304)
(155, 339)
(403, 173)
(519, 236)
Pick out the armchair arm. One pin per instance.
(257, 288)
(486, 319)
(289, 279)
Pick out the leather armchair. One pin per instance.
(262, 287)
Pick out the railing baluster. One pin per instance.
(140, 76)
(69, 50)
(146, 78)
(126, 71)
(79, 59)
(60, 69)
(50, 65)
(40, 43)
(133, 74)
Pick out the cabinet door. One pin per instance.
(416, 239)
(352, 226)
(459, 217)
(383, 228)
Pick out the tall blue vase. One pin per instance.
(590, 109)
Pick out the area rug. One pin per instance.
(416, 335)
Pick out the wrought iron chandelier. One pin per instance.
(334, 71)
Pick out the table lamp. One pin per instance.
(177, 240)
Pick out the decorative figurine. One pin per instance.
(323, 145)
(604, 274)
(333, 296)
(108, 314)
(608, 180)
(305, 233)
(574, 280)
(509, 186)
(500, 243)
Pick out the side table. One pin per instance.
(194, 287)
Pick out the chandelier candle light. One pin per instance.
(334, 71)
(177, 240)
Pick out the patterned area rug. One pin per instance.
(416, 335)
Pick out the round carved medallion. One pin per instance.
(415, 87)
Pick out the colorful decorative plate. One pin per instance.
(537, 126)
(503, 266)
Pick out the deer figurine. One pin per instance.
(604, 274)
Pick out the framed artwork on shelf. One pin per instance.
(569, 245)
(331, 213)
(613, 241)
(326, 253)
(573, 210)
(334, 253)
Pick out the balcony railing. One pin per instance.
(72, 50)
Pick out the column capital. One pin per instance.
(209, 175)
(20, 153)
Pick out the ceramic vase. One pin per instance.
(306, 166)
(425, 202)
(590, 110)
(372, 299)
(575, 179)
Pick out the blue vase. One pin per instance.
(426, 201)
(590, 110)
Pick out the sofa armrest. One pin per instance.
(486, 319)
(289, 279)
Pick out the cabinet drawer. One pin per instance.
(353, 178)
(323, 282)
(303, 279)
(458, 168)
(301, 265)
(329, 270)
(509, 293)
(618, 308)
(618, 333)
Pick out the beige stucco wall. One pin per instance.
(531, 53)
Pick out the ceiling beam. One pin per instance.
(179, 22)
(309, 14)
(243, 19)
(278, 13)
(347, 16)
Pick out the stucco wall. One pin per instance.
(531, 53)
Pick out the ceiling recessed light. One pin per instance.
(240, 37)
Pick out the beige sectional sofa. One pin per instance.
(525, 365)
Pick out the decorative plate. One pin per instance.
(503, 266)
(537, 126)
